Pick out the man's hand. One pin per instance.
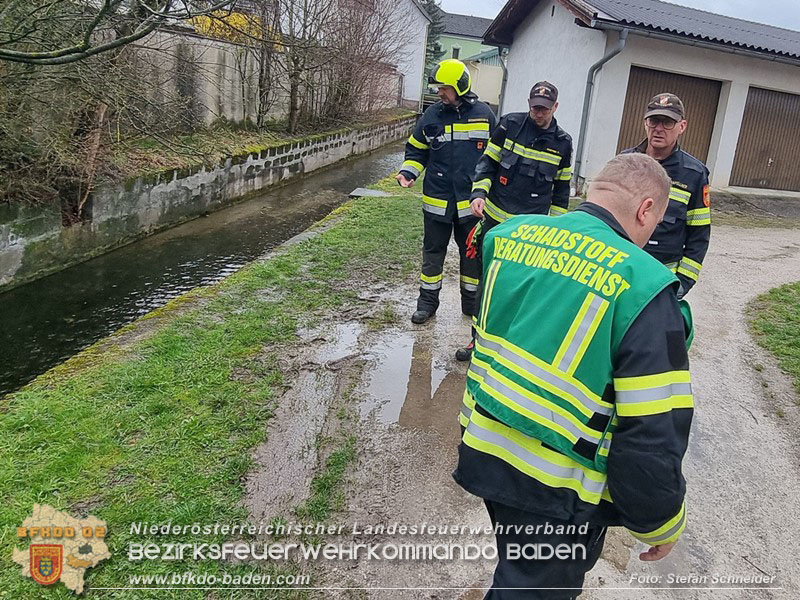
(477, 207)
(403, 181)
(657, 552)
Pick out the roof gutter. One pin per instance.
(687, 41)
(587, 97)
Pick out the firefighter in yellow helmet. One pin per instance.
(448, 141)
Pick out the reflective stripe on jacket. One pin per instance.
(524, 169)
(681, 239)
(446, 143)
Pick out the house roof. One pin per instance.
(421, 9)
(492, 52)
(465, 25)
(655, 15)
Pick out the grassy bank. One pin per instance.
(775, 320)
(158, 426)
(209, 146)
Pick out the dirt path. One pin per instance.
(742, 467)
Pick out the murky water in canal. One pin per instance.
(46, 321)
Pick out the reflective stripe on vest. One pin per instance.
(467, 405)
(531, 457)
(537, 408)
(555, 407)
(580, 333)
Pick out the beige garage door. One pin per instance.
(769, 142)
(700, 98)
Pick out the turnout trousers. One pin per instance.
(513, 573)
(434, 249)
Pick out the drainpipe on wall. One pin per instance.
(501, 53)
(587, 99)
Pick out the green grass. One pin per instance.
(750, 221)
(775, 320)
(162, 430)
(326, 492)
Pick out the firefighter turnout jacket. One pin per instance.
(524, 169)
(681, 240)
(448, 141)
(578, 401)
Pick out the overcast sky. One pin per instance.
(782, 13)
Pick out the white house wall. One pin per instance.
(737, 73)
(549, 46)
(411, 59)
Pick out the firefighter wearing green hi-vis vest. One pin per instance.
(447, 142)
(578, 401)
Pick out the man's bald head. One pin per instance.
(635, 189)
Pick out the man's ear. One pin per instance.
(647, 205)
(682, 127)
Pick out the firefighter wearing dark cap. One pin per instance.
(448, 140)
(526, 168)
(681, 239)
(527, 165)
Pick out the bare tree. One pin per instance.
(366, 43)
(57, 32)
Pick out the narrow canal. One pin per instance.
(47, 321)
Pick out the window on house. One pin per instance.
(456, 51)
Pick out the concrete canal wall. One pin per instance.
(35, 243)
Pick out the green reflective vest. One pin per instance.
(559, 295)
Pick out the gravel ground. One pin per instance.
(742, 465)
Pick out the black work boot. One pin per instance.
(464, 354)
(420, 316)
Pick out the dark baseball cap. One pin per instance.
(665, 105)
(544, 94)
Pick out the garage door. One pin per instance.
(769, 142)
(700, 98)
